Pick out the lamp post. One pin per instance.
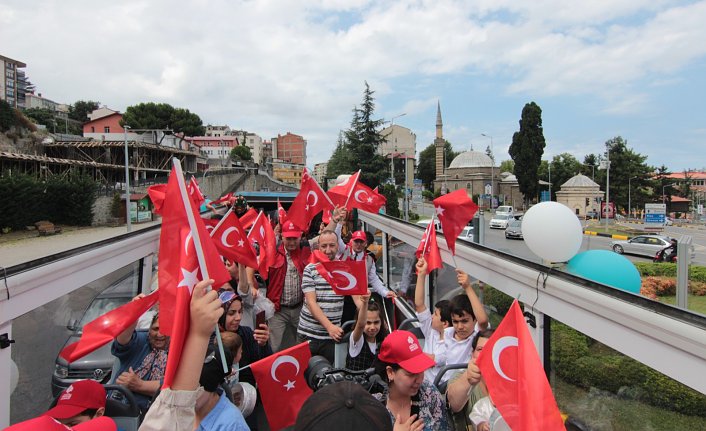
(629, 197)
(127, 182)
(392, 166)
(664, 196)
(492, 170)
(593, 171)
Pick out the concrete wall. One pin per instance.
(101, 210)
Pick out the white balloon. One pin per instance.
(14, 376)
(552, 231)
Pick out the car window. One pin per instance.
(101, 306)
(654, 241)
(639, 240)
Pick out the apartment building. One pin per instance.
(289, 148)
(11, 82)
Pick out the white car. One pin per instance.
(500, 221)
(504, 210)
(466, 233)
(425, 223)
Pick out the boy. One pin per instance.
(433, 325)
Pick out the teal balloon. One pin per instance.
(606, 267)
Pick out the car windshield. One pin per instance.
(501, 217)
(514, 223)
(101, 306)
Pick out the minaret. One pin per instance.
(439, 143)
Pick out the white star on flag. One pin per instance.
(439, 211)
(241, 243)
(190, 280)
(370, 199)
(289, 385)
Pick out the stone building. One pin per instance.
(581, 194)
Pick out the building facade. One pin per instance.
(10, 88)
(581, 195)
(320, 172)
(217, 131)
(290, 173)
(400, 144)
(215, 148)
(289, 148)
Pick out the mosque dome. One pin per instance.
(471, 159)
(580, 181)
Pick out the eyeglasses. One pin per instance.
(228, 296)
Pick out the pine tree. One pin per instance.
(527, 149)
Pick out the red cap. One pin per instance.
(359, 235)
(402, 348)
(81, 395)
(45, 423)
(291, 231)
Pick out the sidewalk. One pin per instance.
(20, 247)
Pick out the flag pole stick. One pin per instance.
(254, 223)
(387, 318)
(188, 209)
(220, 222)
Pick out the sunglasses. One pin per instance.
(228, 296)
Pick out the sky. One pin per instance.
(598, 69)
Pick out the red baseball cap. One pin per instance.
(46, 423)
(359, 235)
(81, 395)
(291, 231)
(402, 348)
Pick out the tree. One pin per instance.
(526, 150)
(241, 152)
(163, 116)
(628, 170)
(363, 141)
(392, 207)
(81, 108)
(490, 154)
(564, 167)
(340, 162)
(426, 169)
(42, 116)
(507, 166)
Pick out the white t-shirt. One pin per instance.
(457, 351)
(354, 348)
(433, 345)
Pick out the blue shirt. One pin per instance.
(131, 355)
(225, 416)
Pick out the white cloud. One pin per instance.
(273, 66)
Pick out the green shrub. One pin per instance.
(497, 299)
(662, 391)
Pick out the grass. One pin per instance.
(694, 303)
(602, 410)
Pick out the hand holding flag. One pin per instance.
(429, 249)
(310, 201)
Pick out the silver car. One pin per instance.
(644, 245)
(500, 221)
(514, 229)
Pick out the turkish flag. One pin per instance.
(247, 219)
(362, 197)
(156, 193)
(310, 200)
(515, 378)
(283, 389)
(232, 242)
(346, 277)
(210, 223)
(225, 198)
(104, 328)
(192, 187)
(263, 234)
(341, 194)
(180, 267)
(281, 214)
(454, 211)
(430, 249)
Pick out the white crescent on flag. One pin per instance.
(224, 237)
(316, 198)
(352, 282)
(498, 348)
(186, 244)
(357, 195)
(286, 359)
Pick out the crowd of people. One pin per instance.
(306, 308)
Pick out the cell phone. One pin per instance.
(260, 319)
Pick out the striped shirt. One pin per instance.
(329, 302)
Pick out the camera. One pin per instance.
(321, 373)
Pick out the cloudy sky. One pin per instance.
(598, 69)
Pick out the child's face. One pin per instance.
(436, 323)
(372, 325)
(464, 325)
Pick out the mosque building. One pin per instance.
(475, 172)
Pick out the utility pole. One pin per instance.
(127, 182)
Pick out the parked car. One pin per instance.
(514, 229)
(593, 214)
(500, 221)
(466, 233)
(425, 223)
(644, 245)
(668, 221)
(98, 365)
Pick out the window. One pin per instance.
(93, 129)
(468, 186)
(106, 129)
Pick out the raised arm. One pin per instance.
(124, 337)
(419, 290)
(362, 317)
(459, 388)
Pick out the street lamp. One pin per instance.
(492, 169)
(629, 200)
(405, 202)
(664, 197)
(593, 171)
(127, 182)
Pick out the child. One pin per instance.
(366, 336)
(468, 317)
(433, 325)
